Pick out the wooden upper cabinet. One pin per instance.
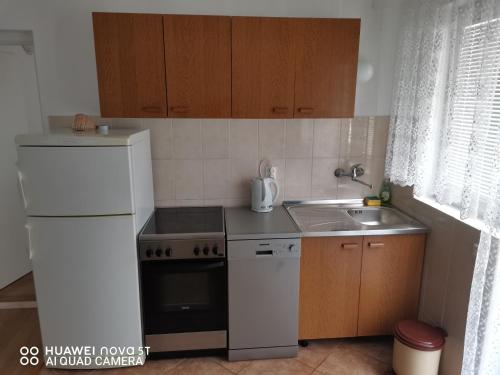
(326, 67)
(330, 270)
(198, 65)
(390, 282)
(263, 67)
(130, 64)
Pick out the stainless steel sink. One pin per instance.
(350, 217)
(376, 216)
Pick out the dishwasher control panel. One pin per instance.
(271, 248)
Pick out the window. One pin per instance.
(476, 104)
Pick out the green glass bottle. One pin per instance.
(385, 192)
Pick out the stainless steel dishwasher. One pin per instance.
(263, 252)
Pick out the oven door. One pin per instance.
(184, 296)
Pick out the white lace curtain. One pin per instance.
(444, 140)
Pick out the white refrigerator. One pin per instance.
(86, 197)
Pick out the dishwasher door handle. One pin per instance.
(263, 253)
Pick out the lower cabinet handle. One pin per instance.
(350, 246)
(375, 244)
(305, 110)
(180, 109)
(151, 109)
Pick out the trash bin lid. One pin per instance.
(419, 335)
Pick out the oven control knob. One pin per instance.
(206, 250)
(149, 253)
(196, 250)
(168, 251)
(159, 252)
(215, 250)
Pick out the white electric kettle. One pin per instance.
(263, 196)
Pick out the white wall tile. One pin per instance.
(242, 172)
(298, 178)
(189, 203)
(346, 188)
(215, 138)
(187, 139)
(324, 182)
(166, 203)
(327, 138)
(236, 202)
(377, 146)
(271, 139)
(212, 161)
(161, 137)
(374, 173)
(163, 179)
(353, 138)
(216, 178)
(298, 138)
(188, 179)
(244, 139)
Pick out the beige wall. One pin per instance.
(211, 162)
(448, 268)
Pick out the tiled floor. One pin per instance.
(367, 356)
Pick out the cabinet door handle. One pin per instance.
(375, 244)
(180, 109)
(280, 109)
(151, 109)
(348, 246)
(305, 110)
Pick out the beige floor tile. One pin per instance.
(199, 366)
(151, 367)
(380, 350)
(277, 367)
(347, 361)
(317, 351)
(234, 367)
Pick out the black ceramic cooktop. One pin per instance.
(186, 220)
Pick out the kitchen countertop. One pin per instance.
(337, 218)
(245, 224)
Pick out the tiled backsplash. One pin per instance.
(211, 162)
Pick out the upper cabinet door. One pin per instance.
(326, 67)
(130, 64)
(263, 67)
(198, 65)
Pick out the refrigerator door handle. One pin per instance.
(21, 188)
(28, 229)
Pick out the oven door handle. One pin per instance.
(190, 267)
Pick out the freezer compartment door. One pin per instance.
(76, 181)
(86, 280)
(263, 293)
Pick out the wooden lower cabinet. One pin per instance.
(358, 286)
(329, 287)
(390, 282)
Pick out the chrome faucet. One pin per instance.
(357, 170)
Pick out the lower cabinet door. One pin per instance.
(329, 287)
(390, 282)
